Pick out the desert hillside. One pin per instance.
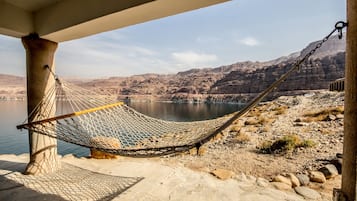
(231, 83)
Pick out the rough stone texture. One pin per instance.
(303, 179)
(97, 154)
(339, 116)
(329, 171)
(262, 182)
(317, 176)
(106, 143)
(241, 177)
(317, 76)
(193, 151)
(251, 178)
(331, 117)
(294, 180)
(307, 192)
(281, 186)
(223, 174)
(338, 164)
(202, 151)
(282, 179)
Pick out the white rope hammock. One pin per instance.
(96, 121)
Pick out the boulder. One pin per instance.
(241, 177)
(317, 176)
(338, 164)
(329, 171)
(281, 186)
(331, 117)
(339, 116)
(102, 142)
(202, 151)
(262, 182)
(193, 151)
(282, 179)
(294, 180)
(307, 193)
(303, 179)
(222, 174)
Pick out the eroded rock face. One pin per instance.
(315, 74)
(235, 82)
(317, 176)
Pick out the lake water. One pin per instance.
(12, 113)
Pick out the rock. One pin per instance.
(303, 179)
(294, 180)
(329, 171)
(281, 186)
(317, 176)
(193, 151)
(300, 124)
(298, 120)
(338, 164)
(104, 143)
(331, 117)
(202, 151)
(219, 136)
(222, 174)
(282, 179)
(241, 177)
(262, 182)
(339, 116)
(98, 154)
(307, 193)
(251, 178)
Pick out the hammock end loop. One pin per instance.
(339, 26)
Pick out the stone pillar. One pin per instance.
(43, 149)
(350, 124)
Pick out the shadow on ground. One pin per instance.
(69, 183)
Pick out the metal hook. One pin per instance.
(339, 26)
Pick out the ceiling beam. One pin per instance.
(15, 21)
(100, 17)
(64, 20)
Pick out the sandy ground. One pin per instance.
(240, 155)
(188, 177)
(160, 182)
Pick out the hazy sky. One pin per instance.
(223, 34)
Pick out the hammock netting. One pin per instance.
(97, 121)
(79, 116)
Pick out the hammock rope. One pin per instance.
(97, 121)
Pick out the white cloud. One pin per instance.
(249, 41)
(190, 57)
(94, 58)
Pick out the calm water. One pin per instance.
(12, 113)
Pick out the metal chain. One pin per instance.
(338, 27)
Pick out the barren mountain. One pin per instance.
(12, 87)
(247, 77)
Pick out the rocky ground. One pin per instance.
(312, 124)
(281, 150)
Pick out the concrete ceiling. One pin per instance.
(63, 20)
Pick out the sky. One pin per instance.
(223, 34)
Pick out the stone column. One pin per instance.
(43, 149)
(350, 124)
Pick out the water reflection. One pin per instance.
(184, 111)
(12, 113)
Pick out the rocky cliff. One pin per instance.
(314, 74)
(225, 83)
